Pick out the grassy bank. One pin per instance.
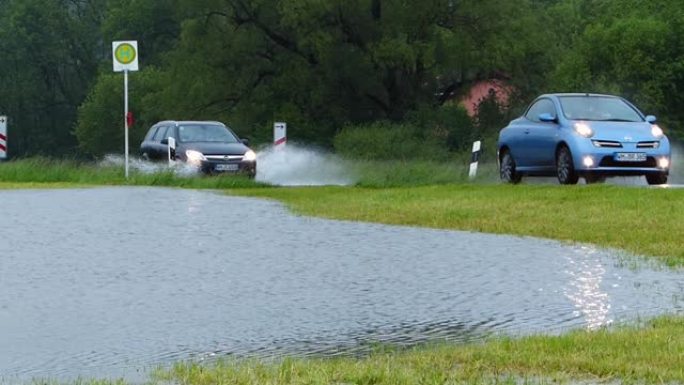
(652, 354)
(38, 172)
(386, 174)
(638, 220)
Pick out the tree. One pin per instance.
(624, 53)
(323, 64)
(100, 128)
(48, 65)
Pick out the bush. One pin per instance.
(449, 123)
(389, 141)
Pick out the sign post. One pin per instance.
(125, 55)
(3, 137)
(279, 134)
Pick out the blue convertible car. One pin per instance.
(583, 135)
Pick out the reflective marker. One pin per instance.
(475, 159)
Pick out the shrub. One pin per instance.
(449, 123)
(386, 141)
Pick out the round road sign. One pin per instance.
(125, 54)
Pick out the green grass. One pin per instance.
(47, 173)
(383, 174)
(641, 221)
(651, 354)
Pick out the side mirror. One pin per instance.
(547, 118)
(245, 142)
(651, 119)
(165, 141)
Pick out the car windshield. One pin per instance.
(598, 108)
(205, 133)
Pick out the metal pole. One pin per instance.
(126, 118)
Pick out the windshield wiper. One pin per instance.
(616, 120)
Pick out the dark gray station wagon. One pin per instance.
(210, 146)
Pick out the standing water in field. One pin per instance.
(294, 165)
(110, 282)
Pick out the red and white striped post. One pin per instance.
(279, 134)
(3, 137)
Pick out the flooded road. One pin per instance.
(110, 282)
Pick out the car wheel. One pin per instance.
(507, 170)
(565, 167)
(145, 157)
(655, 179)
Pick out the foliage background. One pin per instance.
(342, 73)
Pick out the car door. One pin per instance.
(158, 150)
(146, 146)
(539, 140)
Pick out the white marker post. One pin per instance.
(279, 134)
(172, 149)
(475, 159)
(3, 137)
(125, 55)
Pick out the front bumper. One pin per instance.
(590, 159)
(211, 166)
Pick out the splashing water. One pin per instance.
(291, 165)
(148, 167)
(294, 165)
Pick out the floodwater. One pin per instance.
(110, 282)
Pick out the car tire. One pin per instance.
(145, 157)
(507, 170)
(656, 179)
(565, 167)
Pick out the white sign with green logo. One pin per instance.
(125, 54)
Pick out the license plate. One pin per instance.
(226, 167)
(630, 157)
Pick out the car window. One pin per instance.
(205, 133)
(170, 132)
(598, 108)
(151, 132)
(161, 134)
(542, 106)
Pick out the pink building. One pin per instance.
(481, 90)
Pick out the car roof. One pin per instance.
(181, 122)
(579, 94)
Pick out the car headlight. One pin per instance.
(250, 156)
(664, 162)
(194, 157)
(584, 130)
(657, 131)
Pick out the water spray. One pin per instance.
(294, 165)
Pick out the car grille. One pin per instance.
(607, 143)
(648, 144)
(609, 161)
(224, 158)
